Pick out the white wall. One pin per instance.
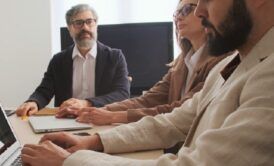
(25, 48)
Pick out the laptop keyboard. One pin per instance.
(17, 161)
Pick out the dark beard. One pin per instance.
(233, 31)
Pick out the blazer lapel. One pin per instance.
(204, 103)
(100, 65)
(67, 71)
(179, 75)
(198, 74)
(194, 126)
(254, 57)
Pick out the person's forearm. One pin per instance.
(119, 117)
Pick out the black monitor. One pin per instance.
(147, 47)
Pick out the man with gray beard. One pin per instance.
(88, 73)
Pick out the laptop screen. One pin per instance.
(7, 138)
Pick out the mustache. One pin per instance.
(83, 32)
(207, 24)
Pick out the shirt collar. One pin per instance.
(258, 53)
(230, 67)
(92, 52)
(192, 57)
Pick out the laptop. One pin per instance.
(43, 124)
(10, 148)
(10, 111)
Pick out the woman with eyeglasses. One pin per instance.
(185, 77)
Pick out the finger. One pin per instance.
(54, 137)
(63, 112)
(22, 110)
(58, 138)
(62, 106)
(69, 112)
(31, 112)
(28, 151)
(60, 112)
(32, 146)
(68, 102)
(27, 159)
(52, 145)
(92, 108)
(83, 120)
(48, 143)
(65, 104)
(87, 109)
(75, 110)
(19, 111)
(26, 112)
(83, 117)
(72, 149)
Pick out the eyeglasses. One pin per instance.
(80, 23)
(184, 11)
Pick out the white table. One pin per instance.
(25, 135)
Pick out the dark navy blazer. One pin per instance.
(111, 78)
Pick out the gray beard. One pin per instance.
(87, 44)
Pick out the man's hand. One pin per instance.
(44, 154)
(71, 107)
(27, 108)
(72, 143)
(72, 102)
(99, 116)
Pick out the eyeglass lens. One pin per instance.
(185, 10)
(80, 23)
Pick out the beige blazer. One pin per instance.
(227, 123)
(166, 94)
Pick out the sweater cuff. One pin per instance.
(77, 158)
(112, 142)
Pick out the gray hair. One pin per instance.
(74, 10)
